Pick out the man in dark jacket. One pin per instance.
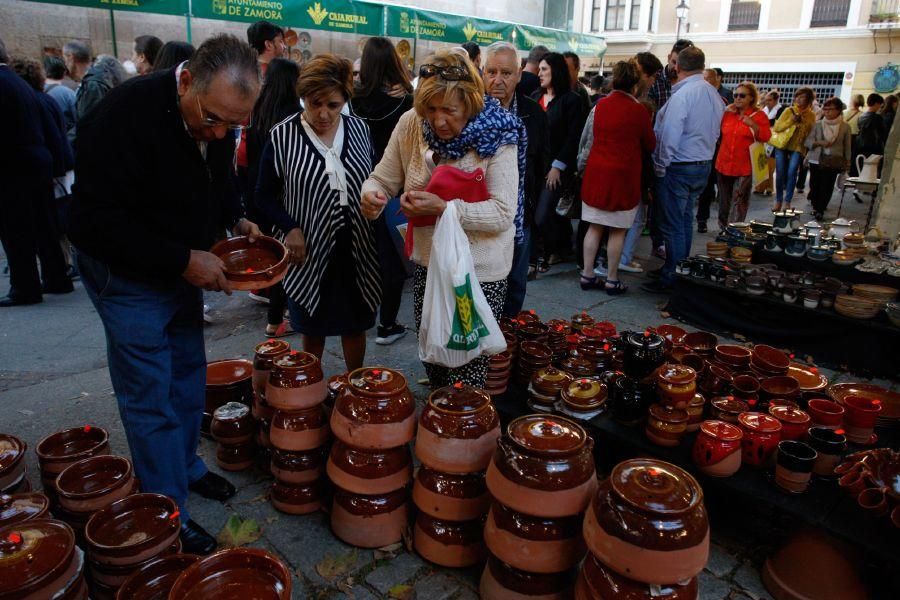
(529, 82)
(501, 77)
(153, 191)
(872, 134)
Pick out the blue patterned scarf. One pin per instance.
(485, 133)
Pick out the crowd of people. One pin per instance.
(127, 184)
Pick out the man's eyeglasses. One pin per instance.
(451, 73)
(211, 122)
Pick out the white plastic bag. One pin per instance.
(457, 322)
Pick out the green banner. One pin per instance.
(442, 27)
(164, 7)
(560, 41)
(343, 16)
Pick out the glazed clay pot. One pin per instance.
(583, 397)
(94, 483)
(375, 410)
(132, 530)
(543, 467)
(263, 355)
(18, 508)
(598, 582)
(232, 423)
(644, 353)
(369, 471)
(12, 461)
(226, 381)
(154, 580)
(648, 523)
(695, 412)
(675, 385)
(451, 497)
(727, 408)
(449, 543)
(114, 576)
(825, 413)
(299, 499)
(237, 457)
(295, 382)
(298, 467)
(794, 466)
(63, 448)
(500, 581)
(235, 573)
(666, 425)
(794, 422)
(39, 560)
(860, 413)
(458, 430)
(829, 446)
(717, 449)
(534, 544)
(761, 436)
(577, 367)
(370, 521)
(299, 430)
(746, 388)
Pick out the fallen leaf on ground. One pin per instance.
(402, 592)
(665, 314)
(238, 532)
(330, 568)
(740, 337)
(346, 586)
(408, 538)
(389, 551)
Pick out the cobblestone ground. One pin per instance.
(53, 375)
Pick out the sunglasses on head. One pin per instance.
(450, 73)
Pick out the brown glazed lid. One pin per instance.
(458, 399)
(234, 574)
(532, 584)
(451, 533)
(551, 377)
(560, 326)
(676, 374)
(154, 580)
(528, 316)
(459, 411)
(585, 391)
(33, 555)
(17, 508)
(370, 464)
(231, 411)
(377, 381)
(464, 486)
(132, 524)
(759, 422)
(70, 444)
(668, 414)
(295, 360)
(721, 430)
(535, 351)
(603, 582)
(368, 506)
(730, 404)
(93, 477)
(272, 348)
(537, 529)
(655, 486)
(547, 434)
(222, 373)
(574, 365)
(789, 414)
(582, 319)
(12, 450)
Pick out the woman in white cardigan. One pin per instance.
(453, 123)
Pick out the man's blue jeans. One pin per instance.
(157, 363)
(633, 235)
(676, 193)
(787, 164)
(517, 279)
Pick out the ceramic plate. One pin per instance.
(808, 377)
(890, 400)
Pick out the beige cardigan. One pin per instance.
(488, 225)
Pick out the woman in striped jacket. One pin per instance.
(310, 180)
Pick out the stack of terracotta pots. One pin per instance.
(63, 448)
(234, 429)
(155, 579)
(226, 381)
(298, 431)
(13, 476)
(370, 465)
(458, 431)
(127, 535)
(580, 321)
(499, 371)
(597, 351)
(263, 355)
(558, 332)
(647, 531)
(533, 356)
(234, 573)
(542, 478)
(39, 559)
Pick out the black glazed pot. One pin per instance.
(644, 353)
(630, 399)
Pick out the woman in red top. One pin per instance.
(742, 124)
(611, 190)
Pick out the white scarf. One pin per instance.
(334, 167)
(831, 128)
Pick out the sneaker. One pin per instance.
(631, 267)
(206, 316)
(389, 335)
(257, 296)
(601, 271)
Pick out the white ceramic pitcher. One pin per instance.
(868, 168)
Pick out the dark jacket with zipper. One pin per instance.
(381, 113)
(144, 196)
(565, 119)
(538, 155)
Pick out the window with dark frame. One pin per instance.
(615, 15)
(634, 23)
(830, 13)
(744, 15)
(597, 15)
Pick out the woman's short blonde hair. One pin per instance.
(470, 90)
(754, 91)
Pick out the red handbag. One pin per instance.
(449, 183)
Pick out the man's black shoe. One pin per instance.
(701, 227)
(14, 301)
(213, 486)
(655, 273)
(196, 540)
(63, 288)
(657, 287)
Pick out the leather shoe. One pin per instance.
(213, 486)
(196, 540)
(13, 301)
(701, 227)
(657, 287)
(63, 288)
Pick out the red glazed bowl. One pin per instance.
(94, 483)
(733, 355)
(252, 266)
(769, 359)
(700, 342)
(825, 413)
(235, 573)
(63, 448)
(154, 580)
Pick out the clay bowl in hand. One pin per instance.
(252, 266)
(154, 580)
(132, 530)
(234, 573)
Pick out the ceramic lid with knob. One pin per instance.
(296, 360)
(655, 486)
(33, 556)
(17, 508)
(585, 392)
(788, 414)
(676, 374)
(546, 434)
(721, 430)
(459, 399)
(12, 449)
(668, 414)
(371, 381)
(759, 422)
(646, 339)
(272, 348)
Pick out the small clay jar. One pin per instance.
(94, 483)
(761, 436)
(154, 580)
(132, 530)
(12, 461)
(648, 523)
(63, 448)
(232, 423)
(458, 430)
(263, 355)
(581, 321)
(295, 382)
(727, 408)
(695, 412)
(299, 430)
(666, 425)
(451, 497)
(227, 381)
(675, 385)
(297, 499)
(18, 508)
(449, 543)
(717, 449)
(40, 560)
(295, 468)
(534, 544)
(794, 466)
(234, 573)
(794, 421)
(375, 410)
(543, 466)
(369, 471)
(830, 446)
(236, 457)
(500, 581)
(584, 396)
(370, 521)
(596, 581)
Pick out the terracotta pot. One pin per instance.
(779, 387)
(63, 448)
(295, 468)
(370, 521)
(584, 396)
(12, 461)
(234, 573)
(369, 471)
(675, 385)
(500, 581)
(226, 381)
(727, 408)
(113, 576)
(299, 430)
(770, 360)
(648, 523)
(666, 425)
(761, 436)
(825, 413)
(544, 467)
(132, 530)
(295, 382)
(550, 380)
(94, 483)
(716, 380)
(18, 508)
(746, 388)
(695, 409)
(829, 446)
(794, 422)
(596, 581)
(154, 580)
(376, 410)
(451, 497)
(458, 430)
(263, 355)
(534, 544)
(733, 355)
(297, 499)
(700, 342)
(237, 457)
(449, 543)
(40, 560)
(860, 413)
(232, 423)
(853, 482)
(794, 466)
(717, 449)
(689, 359)
(581, 320)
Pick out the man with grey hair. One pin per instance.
(501, 79)
(94, 79)
(530, 81)
(154, 189)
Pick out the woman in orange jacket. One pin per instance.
(742, 124)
